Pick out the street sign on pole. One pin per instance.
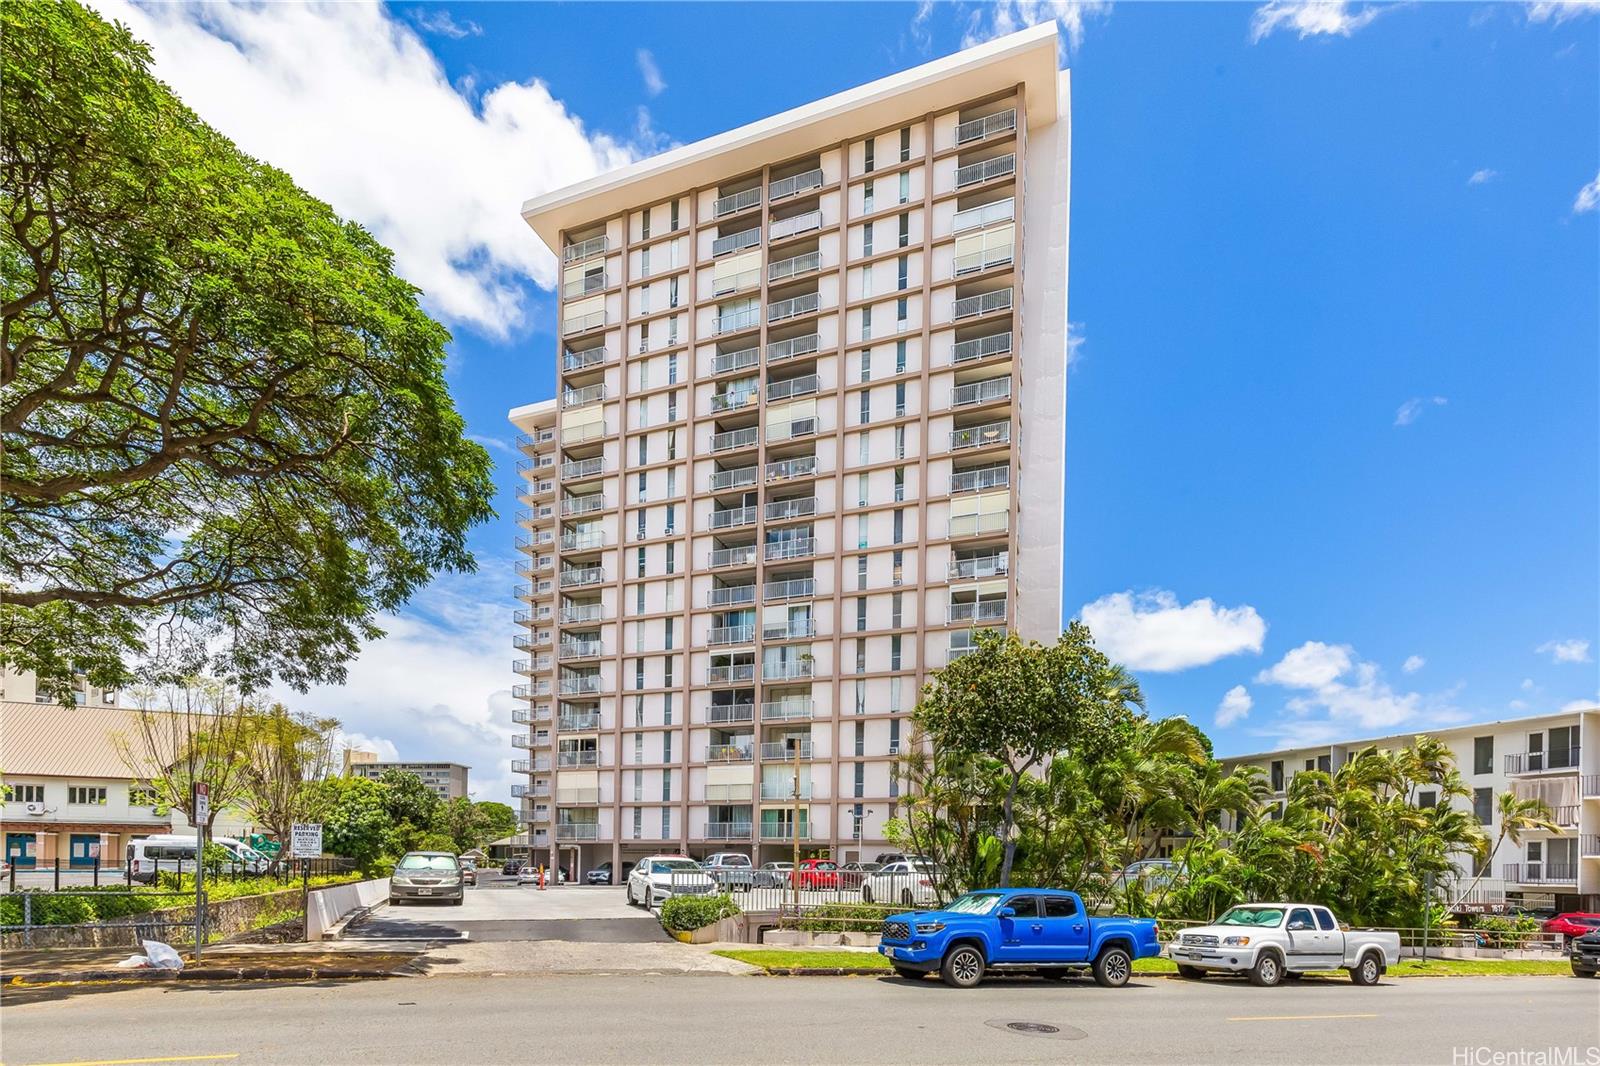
(305, 840)
(202, 802)
(202, 813)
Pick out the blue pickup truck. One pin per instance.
(1039, 930)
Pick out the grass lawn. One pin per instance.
(787, 958)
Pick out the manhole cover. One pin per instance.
(1044, 1029)
(1032, 1027)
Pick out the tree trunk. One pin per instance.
(1488, 864)
(1009, 841)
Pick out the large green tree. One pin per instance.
(224, 415)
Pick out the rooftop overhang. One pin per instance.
(1027, 57)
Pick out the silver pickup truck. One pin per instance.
(1272, 942)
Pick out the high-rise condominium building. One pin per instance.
(807, 439)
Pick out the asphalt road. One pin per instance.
(776, 1020)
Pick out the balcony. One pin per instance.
(988, 477)
(734, 439)
(790, 670)
(787, 510)
(740, 477)
(724, 713)
(577, 758)
(737, 674)
(580, 649)
(793, 347)
(794, 185)
(804, 385)
(973, 393)
(728, 284)
(980, 567)
(980, 611)
(734, 321)
(1566, 815)
(787, 469)
(976, 348)
(727, 362)
(744, 634)
(518, 791)
(785, 790)
(577, 578)
(984, 436)
(978, 525)
(795, 224)
(583, 323)
(979, 128)
(577, 253)
(576, 505)
(582, 685)
(733, 203)
(1589, 786)
(736, 242)
(794, 629)
(531, 690)
(796, 588)
(729, 830)
(986, 170)
(1539, 762)
(731, 595)
(725, 558)
(788, 710)
(791, 548)
(585, 722)
(583, 397)
(572, 362)
(587, 612)
(1589, 846)
(585, 285)
(582, 468)
(982, 304)
(793, 307)
(532, 766)
(585, 541)
(984, 215)
(984, 259)
(577, 831)
(1541, 873)
(733, 517)
(794, 429)
(793, 267)
(729, 753)
(529, 443)
(521, 716)
(521, 740)
(786, 751)
(733, 399)
(586, 432)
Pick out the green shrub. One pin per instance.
(846, 917)
(1506, 931)
(681, 914)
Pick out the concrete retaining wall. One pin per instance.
(326, 907)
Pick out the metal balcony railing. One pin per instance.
(1541, 873)
(793, 629)
(585, 285)
(731, 793)
(722, 713)
(784, 469)
(738, 673)
(783, 790)
(576, 505)
(801, 223)
(978, 610)
(806, 344)
(982, 303)
(787, 710)
(988, 477)
(984, 259)
(734, 321)
(732, 479)
(983, 215)
(521, 740)
(986, 170)
(578, 796)
(579, 649)
(1566, 815)
(588, 612)
(530, 690)
(583, 323)
(792, 429)
(1534, 762)
(518, 791)
(731, 595)
(786, 750)
(584, 396)
(586, 431)
(735, 438)
(733, 517)
(736, 242)
(732, 634)
(980, 348)
(982, 566)
(571, 362)
(794, 588)
(577, 758)
(1589, 786)
(987, 126)
(1589, 845)
(729, 753)
(579, 577)
(579, 723)
(976, 392)
(972, 525)
(577, 831)
(980, 436)
(791, 548)
(582, 468)
(727, 284)
(729, 830)
(783, 510)
(726, 362)
(734, 202)
(521, 716)
(733, 399)
(794, 266)
(804, 385)
(583, 685)
(576, 253)
(795, 184)
(522, 766)
(722, 558)
(586, 541)
(794, 306)
(788, 670)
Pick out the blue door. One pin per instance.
(19, 850)
(81, 848)
(1066, 930)
(1021, 933)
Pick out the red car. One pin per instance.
(816, 873)
(1574, 924)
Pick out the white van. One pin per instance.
(174, 853)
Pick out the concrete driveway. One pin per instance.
(573, 913)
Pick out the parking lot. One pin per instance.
(498, 909)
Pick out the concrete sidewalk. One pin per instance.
(561, 957)
(222, 962)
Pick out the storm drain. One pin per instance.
(1044, 1029)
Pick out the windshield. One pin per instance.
(975, 903)
(1259, 916)
(669, 865)
(427, 862)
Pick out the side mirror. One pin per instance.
(1006, 912)
(1298, 927)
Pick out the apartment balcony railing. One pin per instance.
(786, 469)
(1589, 846)
(733, 517)
(976, 392)
(793, 347)
(528, 667)
(731, 595)
(736, 242)
(784, 831)
(787, 710)
(796, 588)
(583, 323)
(784, 790)
(582, 468)
(729, 830)
(791, 430)
(583, 397)
(1589, 786)
(794, 224)
(576, 505)
(988, 477)
(728, 284)
(577, 831)
(978, 611)
(577, 758)
(585, 285)
(794, 266)
(973, 525)
(521, 716)
(723, 713)
(578, 797)
(982, 303)
(980, 436)
(536, 514)
(729, 753)
(521, 740)
(795, 184)
(586, 432)
(804, 385)
(581, 578)
(987, 126)
(731, 634)
(980, 348)
(726, 362)
(786, 750)
(571, 362)
(784, 510)
(792, 548)
(734, 479)
(734, 202)
(524, 766)
(530, 442)
(577, 253)
(735, 438)
(585, 685)
(984, 566)
(984, 259)
(733, 399)
(986, 170)
(579, 723)
(790, 670)
(722, 558)
(580, 649)
(734, 321)
(1542, 873)
(588, 612)
(793, 307)
(977, 217)
(585, 541)
(530, 690)
(1566, 815)
(1535, 762)
(730, 793)
(738, 673)
(793, 629)
(518, 791)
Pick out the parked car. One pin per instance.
(174, 853)
(1046, 931)
(909, 884)
(1572, 925)
(852, 874)
(1273, 941)
(773, 875)
(469, 872)
(660, 877)
(1586, 955)
(1149, 873)
(816, 873)
(598, 875)
(427, 875)
(512, 866)
(887, 857)
(731, 870)
(553, 875)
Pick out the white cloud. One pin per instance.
(1412, 409)
(1565, 651)
(1588, 197)
(1336, 693)
(1561, 10)
(442, 23)
(1580, 705)
(920, 34)
(1153, 631)
(386, 750)
(991, 20)
(351, 103)
(654, 83)
(1311, 665)
(1483, 177)
(494, 442)
(1413, 663)
(1075, 341)
(1236, 704)
(1310, 18)
(1527, 684)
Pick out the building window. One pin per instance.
(644, 457)
(899, 442)
(638, 598)
(638, 673)
(674, 216)
(866, 235)
(666, 704)
(638, 822)
(860, 777)
(904, 237)
(1483, 755)
(666, 756)
(894, 698)
(638, 712)
(1276, 773)
(866, 198)
(899, 525)
(903, 274)
(861, 656)
(866, 323)
(896, 610)
(894, 652)
(899, 399)
(672, 360)
(861, 614)
(639, 566)
(638, 747)
(672, 567)
(861, 742)
(899, 357)
(142, 796)
(899, 482)
(894, 736)
(905, 144)
(857, 817)
(644, 225)
(866, 406)
(86, 795)
(861, 696)
(902, 312)
(905, 186)
(866, 364)
(868, 157)
(672, 296)
(1427, 799)
(27, 794)
(1483, 805)
(668, 647)
(861, 489)
(861, 573)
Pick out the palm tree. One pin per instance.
(1517, 816)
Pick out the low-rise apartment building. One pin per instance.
(447, 780)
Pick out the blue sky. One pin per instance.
(1332, 423)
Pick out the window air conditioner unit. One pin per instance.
(34, 808)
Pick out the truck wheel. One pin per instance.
(1113, 968)
(1191, 973)
(1267, 971)
(908, 973)
(962, 967)
(1367, 971)
(1578, 971)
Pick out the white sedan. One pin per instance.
(660, 877)
(909, 884)
(553, 875)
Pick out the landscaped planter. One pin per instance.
(706, 934)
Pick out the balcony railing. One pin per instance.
(580, 649)
(735, 438)
(588, 612)
(983, 566)
(804, 385)
(733, 517)
(988, 477)
(530, 690)
(725, 362)
(783, 831)
(518, 791)
(727, 284)
(977, 217)
(801, 223)
(790, 670)
(584, 396)
(734, 202)
(987, 126)
(980, 436)
(794, 306)
(975, 392)
(586, 431)
(577, 831)
(796, 588)
(783, 790)
(729, 753)
(793, 629)
(1534, 762)
(733, 399)
(521, 716)
(978, 611)
(575, 505)
(794, 266)
(791, 548)
(732, 634)
(521, 740)
(530, 442)
(734, 321)
(980, 347)
(580, 577)
(722, 558)
(729, 830)
(1566, 815)
(723, 713)
(584, 685)
(787, 710)
(571, 362)
(738, 673)
(786, 750)
(1589, 786)
(577, 797)
(733, 479)
(982, 304)
(784, 510)
(576, 253)
(582, 468)
(738, 792)
(778, 351)
(586, 541)
(584, 323)
(584, 285)
(986, 170)
(579, 723)
(974, 525)
(736, 242)
(1589, 845)
(984, 259)
(577, 758)
(731, 595)
(792, 429)
(785, 469)
(795, 184)
(1541, 873)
